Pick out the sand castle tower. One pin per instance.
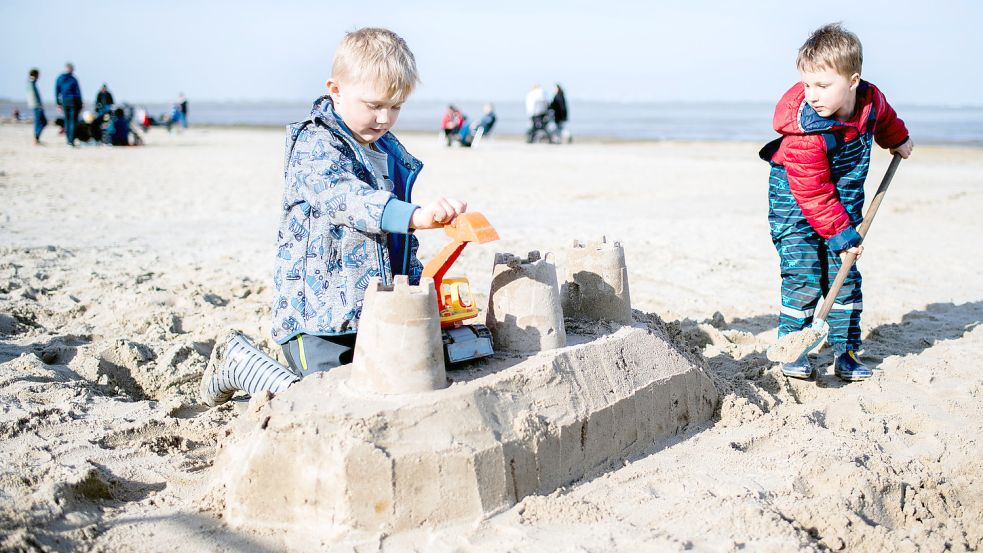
(524, 312)
(596, 282)
(399, 348)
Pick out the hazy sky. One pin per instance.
(918, 52)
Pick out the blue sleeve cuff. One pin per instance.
(848, 238)
(396, 216)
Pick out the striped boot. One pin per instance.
(237, 365)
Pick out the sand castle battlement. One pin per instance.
(399, 348)
(596, 283)
(524, 312)
(401, 285)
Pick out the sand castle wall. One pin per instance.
(326, 458)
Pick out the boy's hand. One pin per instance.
(859, 250)
(904, 150)
(437, 214)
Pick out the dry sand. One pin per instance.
(119, 268)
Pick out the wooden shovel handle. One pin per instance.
(851, 258)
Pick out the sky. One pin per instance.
(712, 50)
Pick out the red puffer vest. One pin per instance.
(803, 150)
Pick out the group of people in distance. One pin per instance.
(109, 123)
(546, 118)
(458, 129)
(344, 163)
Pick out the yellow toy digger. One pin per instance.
(455, 302)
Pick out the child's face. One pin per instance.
(829, 92)
(364, 109)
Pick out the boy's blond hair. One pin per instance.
(831, 46)
(376, 56)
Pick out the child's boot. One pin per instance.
(848, 367)
(237, 365)
(800, 368)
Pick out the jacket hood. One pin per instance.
(323, 112)
(793, 115)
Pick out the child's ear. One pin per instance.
(854, 81)
(333, 89)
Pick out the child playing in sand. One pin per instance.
(346, 217)
(829, 122)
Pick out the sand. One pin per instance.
(119, 268)
(790, 347)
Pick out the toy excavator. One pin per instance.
(454, 300)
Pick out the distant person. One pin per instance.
(118, 131)
(344, 162)
(35, 104)
(173, 118)
(536, 109)
(68, 96)
(829, 122)
(488, 118)
(143, 118)
(182, 103)
(104, 101)
(484, 126)
(558, 107)
(89, 128)
(451, 123)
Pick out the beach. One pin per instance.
(120, 268)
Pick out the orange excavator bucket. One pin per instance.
(471, 227)
(466, 227)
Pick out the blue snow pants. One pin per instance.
(808, 267)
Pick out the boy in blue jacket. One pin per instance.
(346, 217)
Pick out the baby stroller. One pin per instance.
(545, 129)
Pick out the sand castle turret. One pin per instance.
(596, 282)
(524, 312)
(399, 348)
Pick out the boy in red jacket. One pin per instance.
(829, 122)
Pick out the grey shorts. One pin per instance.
(309, 354)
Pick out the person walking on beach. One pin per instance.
(68, 96)
(343, 164)
(536, 108)
(829, 123)
(559, 109)
(104, 101)
(34, 103)
(182, 103)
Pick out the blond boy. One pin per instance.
(346, 217)
(829, 122)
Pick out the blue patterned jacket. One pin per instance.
(340, 225)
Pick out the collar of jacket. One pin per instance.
(323, 112)
(810, 121)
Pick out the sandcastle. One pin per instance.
(524, 312)
(596, 284)
(384, 445)
(400, 351)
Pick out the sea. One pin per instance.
(744, 121)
